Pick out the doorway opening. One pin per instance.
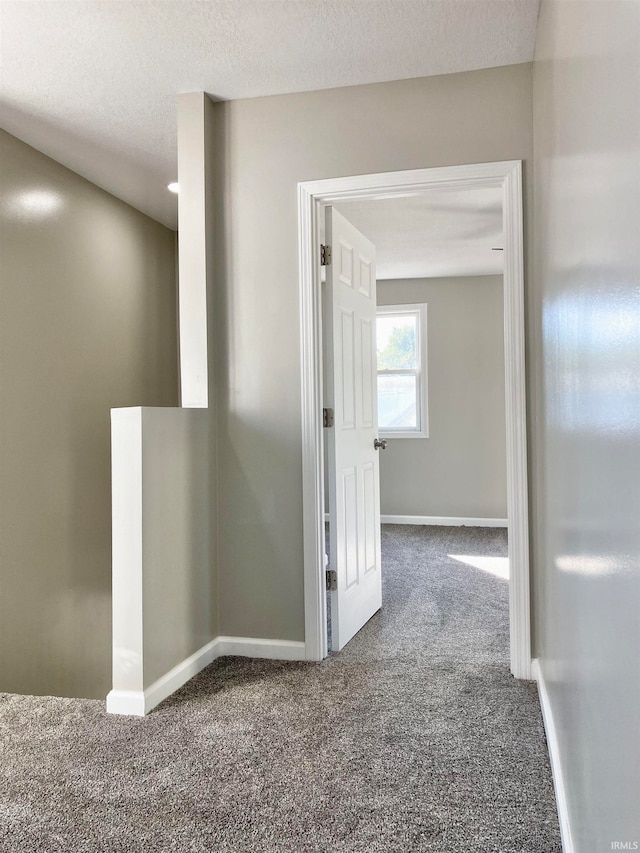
(314, 198)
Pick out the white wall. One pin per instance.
(460, 469)
(587, 275)
(263, 147)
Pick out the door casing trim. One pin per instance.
(312, 196)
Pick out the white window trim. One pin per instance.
(419, 308)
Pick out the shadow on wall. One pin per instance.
(88, 323)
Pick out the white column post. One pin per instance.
(194, 261)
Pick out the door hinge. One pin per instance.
(332, 579)
(327, 418)
(325, 255)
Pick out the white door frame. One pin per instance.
(312, 196)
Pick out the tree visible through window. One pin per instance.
(401, 350)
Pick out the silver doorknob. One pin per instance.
(380, 445)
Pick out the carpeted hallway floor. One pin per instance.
(414, 738)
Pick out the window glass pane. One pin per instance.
(396, 341)
(397, 401)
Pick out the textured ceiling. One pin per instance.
(93, 83)
(439, 233)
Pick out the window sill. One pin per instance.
(411, 434)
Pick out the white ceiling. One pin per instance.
(93, 83)
(439, 233)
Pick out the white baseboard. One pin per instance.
(554, 758)
(444, 520)
(139, 703)
(250, 647)
(130, 702)
(179, 675)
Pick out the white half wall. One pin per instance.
(164, 596)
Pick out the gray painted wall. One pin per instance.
(179, 602)
(461, 469)
(87, 322)
(587, 272)
(263, 147)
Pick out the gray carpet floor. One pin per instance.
(414, 738)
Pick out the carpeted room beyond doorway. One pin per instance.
(414, 738)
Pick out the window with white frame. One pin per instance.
(401, 341)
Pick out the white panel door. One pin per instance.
(353, 467)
